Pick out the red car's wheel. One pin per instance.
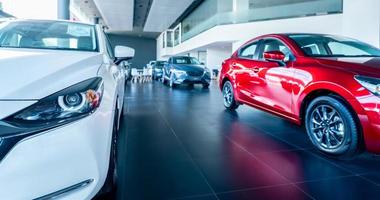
(331, 127)
(228, 96)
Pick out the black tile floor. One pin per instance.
(181, 144)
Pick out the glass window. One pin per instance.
(249, 51)
(333, 46)
(48, 35)
(169, 39)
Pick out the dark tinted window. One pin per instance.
(333, 46)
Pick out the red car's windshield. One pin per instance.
(333, 46)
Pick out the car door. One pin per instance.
(273, 88)
(245, 67)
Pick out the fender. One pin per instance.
(327, 86)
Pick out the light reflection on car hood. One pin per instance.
(31, 74)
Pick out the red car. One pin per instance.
(330, 84)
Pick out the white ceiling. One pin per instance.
(117, 14)
(163, 13)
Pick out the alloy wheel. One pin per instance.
(327, 127)
(228, 94)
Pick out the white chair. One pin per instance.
(147, 74)
(135, 75)
(150, 74)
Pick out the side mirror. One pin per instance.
(123, 53)
(274, 56)
(202, 63)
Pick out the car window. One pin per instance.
(249, 51)
(333, 46)
(340, 48)
(276, 45)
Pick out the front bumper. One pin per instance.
(186, 79)
(60, 158)
(370, 122)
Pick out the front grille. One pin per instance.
(195, 73)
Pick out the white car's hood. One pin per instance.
(30, 74)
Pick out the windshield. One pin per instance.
(160, 64)
(186, 60)
(333, 46)
(48, 35)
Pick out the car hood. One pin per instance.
(30, 74)
(361, 66)
(189, 67)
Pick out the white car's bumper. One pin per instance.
(55, 160)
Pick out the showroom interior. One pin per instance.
(148, 129)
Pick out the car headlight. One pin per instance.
(67, 105)
(178, 72)
(207, 71)
(371, 84)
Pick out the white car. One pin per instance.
(61, 98)
(151, 64)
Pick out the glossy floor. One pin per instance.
(182, 144)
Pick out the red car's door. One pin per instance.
(273, 87)
(245, 68)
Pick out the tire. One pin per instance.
(229, 97)
(110, 185)
(206, 85)
(332, 128)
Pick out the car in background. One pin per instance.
(151, 64)
(61, 99)
(126, 65)
(185, 70)
(330, 84)
(157, 69)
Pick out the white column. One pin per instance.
(216, 56)
(64, 9)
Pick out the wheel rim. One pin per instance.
(327, 127)
(228, 95)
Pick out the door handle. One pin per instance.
(256, 69)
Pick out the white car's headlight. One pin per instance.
(371, 84)
(179, 72)
(69, 104)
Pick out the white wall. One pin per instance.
(27, 9)
(361, 20)
(216, 56)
